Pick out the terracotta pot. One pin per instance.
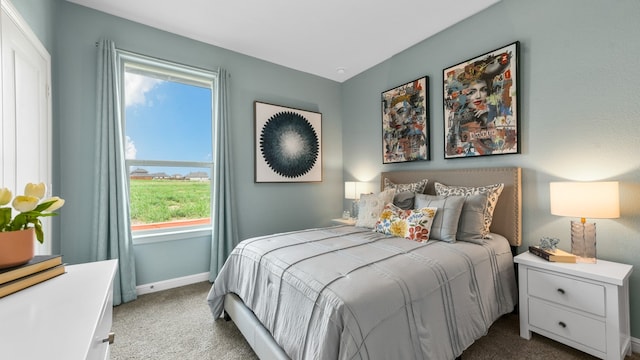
(16, 247)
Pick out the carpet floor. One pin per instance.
(177, 324)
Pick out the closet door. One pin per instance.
(26, 110)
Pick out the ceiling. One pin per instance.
(334, 39)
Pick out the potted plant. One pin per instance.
(17, 233)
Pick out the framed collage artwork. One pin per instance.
(481, 105)
(405, 122)
(288, 144)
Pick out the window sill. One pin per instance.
(150, 237)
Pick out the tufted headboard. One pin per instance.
(507, 217)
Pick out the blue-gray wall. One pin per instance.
(579, 77)
(40, 15)
(262, 208)
(579, 110)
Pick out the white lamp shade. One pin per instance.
(353, 189)
(349, 189)
(596, 200)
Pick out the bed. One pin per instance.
(347, 292)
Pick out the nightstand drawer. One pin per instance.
(584, 330)
(567, 291)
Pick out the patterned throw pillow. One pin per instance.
(493, 193)
(417, 187)
(409, 224)
(370, 206)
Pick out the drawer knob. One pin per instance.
(562, 324)
(110, 338)
(561, 291)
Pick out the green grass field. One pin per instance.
(154, 201)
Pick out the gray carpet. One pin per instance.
(177, 324)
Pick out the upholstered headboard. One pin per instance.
(507, 217)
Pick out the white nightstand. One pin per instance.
(349, 221)
(585, 306)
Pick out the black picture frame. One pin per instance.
(481, 105)
(405, 122)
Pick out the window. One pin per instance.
(168, 126)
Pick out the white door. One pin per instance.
(26, 110)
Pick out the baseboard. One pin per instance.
(635, 345)
(171, 283)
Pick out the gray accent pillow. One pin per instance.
(445, 224)
(472, 219)
(493, 193)
(370, 206)
(404, 200)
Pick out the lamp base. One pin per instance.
(354, 209)
(583, 242)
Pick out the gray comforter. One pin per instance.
(349, 293)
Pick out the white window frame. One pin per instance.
(189, 75)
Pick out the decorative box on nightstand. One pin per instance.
(349, 221)
(585, 306)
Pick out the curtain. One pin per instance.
(112, 231)
(224, 233)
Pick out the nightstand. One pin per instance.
(349, 221)
(585, 306)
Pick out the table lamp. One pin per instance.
(352, 191)
(599, 200)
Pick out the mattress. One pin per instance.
(346, 292)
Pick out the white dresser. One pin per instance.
(68, 317)
(585, 306)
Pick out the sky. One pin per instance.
(167, 120)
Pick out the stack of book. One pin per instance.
(555, 255)
(37, 270)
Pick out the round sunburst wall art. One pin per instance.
(288, 144)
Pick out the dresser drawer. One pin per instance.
(566, 291)
(581, 329)
(99, 347)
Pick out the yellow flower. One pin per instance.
(24, 203)
(5, 196)
(54, 206)
(398, 228)
(386, 214)
(30, 209)
(429, 212)
(36, 190)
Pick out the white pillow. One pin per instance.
(370, 206)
